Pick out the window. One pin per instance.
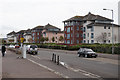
(81, 35)
(71, 35)
(84, 36)
(104, 27)
(68, 36)
(109, 34)
(109, 41)
(38, 37)
(33, 34)
(56, 37)
(92, 35)
(84, 29)
(33, 38)
(81, 28)
(109, 27)
(71, 28)
(92, 29)
(92, 41)
(77, 27)
(104, 41)
(68, 29)
(84, 41)
(37, 33)
(88, 41)
(77, 34)
(65, 35)
(71, 41)
(68, 41)
(65, 29)
(77, 41)
(65, 41)
(88, 34)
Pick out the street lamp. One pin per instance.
(112, 28)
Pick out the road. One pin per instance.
(78, 67)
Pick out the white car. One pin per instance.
(32, 49)
(11, 46)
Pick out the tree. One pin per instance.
(4, 41)
(53, 39)
(46, 39)
(30, 40)
(61, 38)
(102, 38)
(42, 39)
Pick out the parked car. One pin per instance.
(86, 53)
(17, 46)
(11, 46)
(32, 49)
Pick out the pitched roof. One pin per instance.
(13, 32)
(49, 26)
(103, 24)
(38, 27)
(75, 18)
(91, 16)
(21, 31)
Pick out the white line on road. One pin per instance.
(35, 56)
(60, 74)
(82, 71)
(91, 75)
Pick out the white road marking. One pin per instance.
(91, 75)
(35, 56)
(81, 71)
(60, 74)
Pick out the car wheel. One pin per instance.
(86, 55)
(36, 53)
(95, 56)
(79, 55)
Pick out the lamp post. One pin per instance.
(112, 29)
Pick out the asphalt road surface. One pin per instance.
(78, 67)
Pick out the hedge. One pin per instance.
(105, 48)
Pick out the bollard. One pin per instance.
(24, 51)
(53, 57)
(58, 59)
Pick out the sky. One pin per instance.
(16, 15)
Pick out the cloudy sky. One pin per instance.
(23, 14)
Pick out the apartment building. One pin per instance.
(90, 29)
(37, 34)
(51, 31)
(19, 35)
(11, 37)
(27, 36)
(73, 30)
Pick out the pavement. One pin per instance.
(13, 67)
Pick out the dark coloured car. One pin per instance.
(86, 53)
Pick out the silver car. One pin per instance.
(32, 49)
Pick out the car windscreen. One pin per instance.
(89, 50)
(33, 46)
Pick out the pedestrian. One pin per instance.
(3, 50)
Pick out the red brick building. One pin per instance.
(37, 34)
(73, 30)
